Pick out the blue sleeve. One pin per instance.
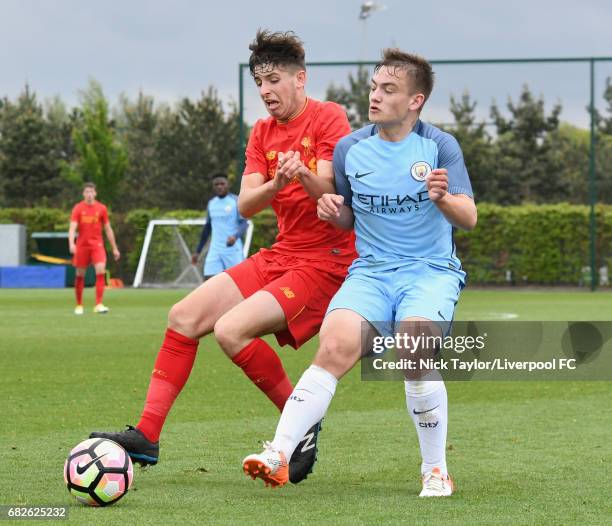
(343, 186)
(242, 222)
(451, 158)
(205, 232)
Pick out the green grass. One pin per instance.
(521, 452)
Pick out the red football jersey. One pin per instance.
(89, 219)
(314, 133)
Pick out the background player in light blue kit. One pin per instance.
(403, 186)
(227, 227)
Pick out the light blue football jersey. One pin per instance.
(223, 220)
(384, 183)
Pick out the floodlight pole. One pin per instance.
(241, 145)
(592, 182)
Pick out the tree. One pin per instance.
(193, 142)
(524, 164)
(100, 157)
(355, 98)
(30, 153)
(604, 124)
(137, 124)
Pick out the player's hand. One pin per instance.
(230, 241)
(437, 184)
(328, 206)
(72, 248)
(194, 258)
(116, 254)
(288, 168)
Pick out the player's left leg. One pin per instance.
(426, 306)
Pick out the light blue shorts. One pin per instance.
(414, 289)
(217, 261)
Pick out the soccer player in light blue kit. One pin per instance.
(403, 185)
(227, 227)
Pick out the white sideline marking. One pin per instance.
(502, 315)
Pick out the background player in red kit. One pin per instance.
(89, 217)
(283, 290)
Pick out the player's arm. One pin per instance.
(256, 193)
(204, 235)
(71, 235)
(110, 235)
(336, 207)
(332, 125)
(458, 209)
(320, 183)
(449, 185)
(240, 231)
(331, 207)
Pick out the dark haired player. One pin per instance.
(89, 218)
(283, 290)
(227, 227)
(403, 187)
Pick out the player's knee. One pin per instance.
(182, 320)
(227, 333)
(335, 353)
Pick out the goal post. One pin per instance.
(165, 259)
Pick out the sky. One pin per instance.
(172, 49)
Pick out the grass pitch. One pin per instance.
(521, 452)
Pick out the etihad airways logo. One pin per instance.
(393, 204)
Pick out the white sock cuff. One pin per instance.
(322, 377)
(422, 388)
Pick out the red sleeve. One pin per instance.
(332, 126)
(104, 215)
(74, 216)
(255, 156)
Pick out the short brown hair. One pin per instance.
(416, 67)
(270, 50)
(89, 185)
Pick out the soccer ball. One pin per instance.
(98, 472)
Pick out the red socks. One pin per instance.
(264, 368)
(100, 283)
(79, 285)
(172, 368)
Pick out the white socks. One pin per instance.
(428, 407)
(305, 407)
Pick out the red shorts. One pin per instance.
(91, 253)
(302, 287)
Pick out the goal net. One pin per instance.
(165, 260)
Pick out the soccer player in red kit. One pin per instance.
(283, 290)
(90, 217)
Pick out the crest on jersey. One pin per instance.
(420, 170)
(271, 155)
(228, 209)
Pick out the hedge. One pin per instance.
(533, 244)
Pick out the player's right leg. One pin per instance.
(190, 319)
(79, 285)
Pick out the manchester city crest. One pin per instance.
(420, 170)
